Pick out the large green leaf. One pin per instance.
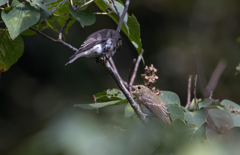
(169, 97)
(20, 17)
(131, 29)
(3, 2)
(175, 111)
(100, 105)
(221, 118)
(10, 50)
(85, 17)
(189, 132)
(233, 111)
(197, 118)
(103, 99)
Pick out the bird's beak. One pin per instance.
(133, 88)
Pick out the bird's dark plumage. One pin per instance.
(103, 42)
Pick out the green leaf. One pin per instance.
(208, 103)
(2, 2)
(129, 112)
(54, 5)
(234, 112)
(20, 18)
(190, 133)
(221, 118)
(28, 32)
(197, 118)
(100, 105)
(49, 1)
(10, 50)
(175, 111)
(85, 17)
(169, 97)
(103, 99)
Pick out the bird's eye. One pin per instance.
(139, 87)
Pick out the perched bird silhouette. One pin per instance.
(103, 42)
(151, 104)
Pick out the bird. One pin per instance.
(151, 104)
(104, 42)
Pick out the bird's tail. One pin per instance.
(74, 57)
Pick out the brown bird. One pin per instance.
(151, 104)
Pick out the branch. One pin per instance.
(113, 1)
(135, 69)
(214, 78)
(195, 87)
(120, 84)
(131, 73)
(123, 15)
(64, 26)
(54, 40)
(189, 92)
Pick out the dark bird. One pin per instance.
(103, 42)
(151, 104)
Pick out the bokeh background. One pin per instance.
(37, 94)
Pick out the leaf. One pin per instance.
(2, 2)
(238, 39)
(20, 18)
(190, 133)
(100, 105)
(197, 118)
(10, 50)
(175, 111)
(54, 5)
(129, 112)
(208, 103)
(169, 97)
(103, 99)
(85, 17)
(28, 32)
(131, 29)
(221, 118)
(232, 111)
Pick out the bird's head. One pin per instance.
(140, 89)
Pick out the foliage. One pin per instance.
(20, 16)
(189, 126)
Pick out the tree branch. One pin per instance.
(123, 15)
(54, 40)
(64, 26)
(189, 92)
(195, 91)
(114, 5)
(120, 84)
(214, 78)
(135, 70)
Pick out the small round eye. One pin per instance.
(139, 87)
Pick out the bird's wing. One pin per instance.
(156, 108)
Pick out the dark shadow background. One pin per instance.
(37, 94)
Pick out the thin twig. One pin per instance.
(123, 15)
(214, 78)
(189, 92)
(195, 90)
(54, 40)
(113, 1)
(85, 4)
(64, 26)
(136, 69)
(131, 73)
(8, 4)
(117, 79)
(71, 1)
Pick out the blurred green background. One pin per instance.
(37, 94)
